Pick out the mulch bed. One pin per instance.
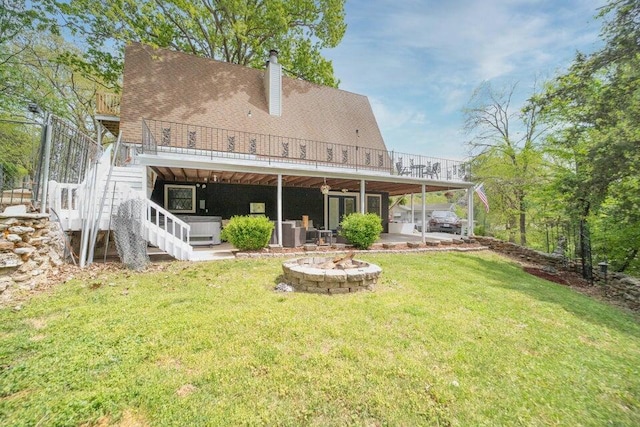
(562, 277)
(577, 283)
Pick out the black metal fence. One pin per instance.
(25, 164)
(572, 239)
(71, 152)
(211, 142)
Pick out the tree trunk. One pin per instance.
(511, 229)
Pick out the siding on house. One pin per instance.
(226, 200)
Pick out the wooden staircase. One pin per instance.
(77, 204)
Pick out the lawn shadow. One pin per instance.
(509, 274)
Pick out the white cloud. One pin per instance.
(418, 61)
(391, 118)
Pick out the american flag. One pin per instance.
(483, 196)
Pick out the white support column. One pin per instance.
(44, 185)
(279, 203)
(325, 201)
(470, 213)
(144, 181)
(424, 213)
(362, 187)
(413, 213)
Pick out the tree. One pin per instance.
(16, 19)
(595, 111)
(237, 31)
(506, 157)
(39, 77)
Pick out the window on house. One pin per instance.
(374, 204)
(180, 198)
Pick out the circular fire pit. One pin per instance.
(330, 275)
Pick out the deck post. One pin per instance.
(362, 188)
(47, 160)
(470, 212)
(424, 213)
(279, 203)
(413, 213)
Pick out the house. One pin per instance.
(210, 140)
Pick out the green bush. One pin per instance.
(361, 230)
(248, 232)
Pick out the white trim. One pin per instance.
(424, 213)
(193, 198)
(176, 160)
(279, 202)
(470, 213)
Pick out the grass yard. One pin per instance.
(446, 339)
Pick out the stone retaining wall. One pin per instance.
(30, 245)
(616, 285)
(526, 254)
(620, 287)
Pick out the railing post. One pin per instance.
(47, 160)
(392, 162)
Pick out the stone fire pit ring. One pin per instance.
(317, 275)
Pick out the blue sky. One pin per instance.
(419, 61)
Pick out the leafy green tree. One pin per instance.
(506, 156)
(39, 77)
(237, 31)
(18, 146)
(616, 226)
(595, 111)
(16, 19)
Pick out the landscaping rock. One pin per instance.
(9, 260)
(283, 287)
(21, 230)
(29, 251)
(13, 238)
(23, 251)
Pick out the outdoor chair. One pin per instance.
(433, 170)
(402, 170)
(292, 236)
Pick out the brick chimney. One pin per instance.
(273, 84)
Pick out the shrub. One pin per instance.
(480, 230)
(248, 232)
(361, 230)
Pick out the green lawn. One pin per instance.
(446, 339)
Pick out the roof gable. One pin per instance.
(172, 86)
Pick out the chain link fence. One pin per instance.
(128, 231)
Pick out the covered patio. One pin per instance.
(291, 188)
